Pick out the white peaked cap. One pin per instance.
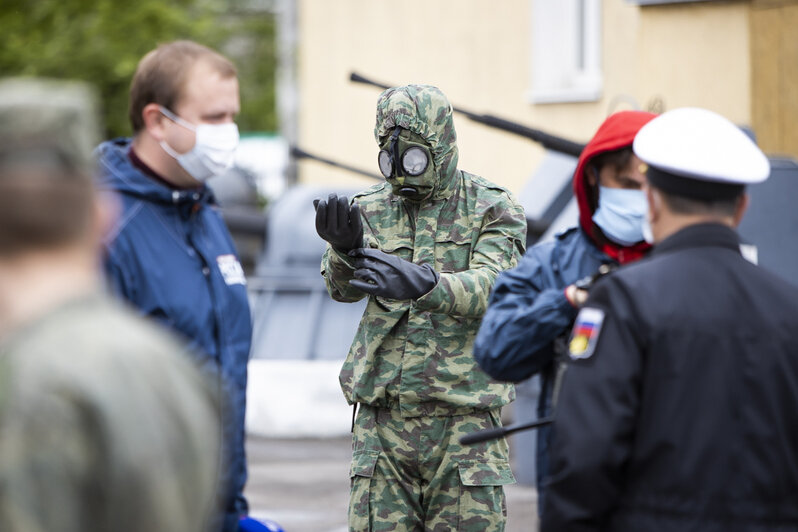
(701, 145)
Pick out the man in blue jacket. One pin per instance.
(170, 253)
(535, 304)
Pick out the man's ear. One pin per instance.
(654, 201)
(154, 121)
(741, 205)
(649, 199)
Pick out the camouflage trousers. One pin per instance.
(412, 474)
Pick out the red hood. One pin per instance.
(616, 132)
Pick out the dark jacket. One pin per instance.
(683, 417)
(171, 255)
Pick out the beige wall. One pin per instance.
(475, 51)
(697, 55)
(478, 53)
(774, 54)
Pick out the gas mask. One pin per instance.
(406, 162)
(213, 151)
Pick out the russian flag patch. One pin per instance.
(585, 333)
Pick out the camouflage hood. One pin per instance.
(424, 110)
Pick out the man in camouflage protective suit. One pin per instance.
(425, 247)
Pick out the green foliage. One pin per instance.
(252, 45)
(101, 41)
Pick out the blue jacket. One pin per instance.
(171, 255)
(528, 311)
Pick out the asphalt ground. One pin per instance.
(303, 485)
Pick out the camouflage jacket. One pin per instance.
(104, 426)
(416, 355)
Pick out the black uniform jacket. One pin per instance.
(685, 416)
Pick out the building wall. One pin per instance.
(479, 53)
(774, 57)
(475, 51)
(697, 54)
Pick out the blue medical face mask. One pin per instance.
(621, 214)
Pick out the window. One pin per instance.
(566, 51)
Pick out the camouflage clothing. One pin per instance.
(103, 427)
(454, 487)
(414, 357)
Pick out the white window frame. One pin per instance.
(566, 51)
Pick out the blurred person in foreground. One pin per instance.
(170, 254)
(677, 410)
(532, 307)
(425, 247)
(104, 426)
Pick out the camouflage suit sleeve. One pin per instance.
(498, 247)
(337, 269)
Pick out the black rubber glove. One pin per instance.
(380, 274)
(339, 223)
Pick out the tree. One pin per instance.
(101, 41)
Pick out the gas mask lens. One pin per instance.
(386, 165)
(414, 161)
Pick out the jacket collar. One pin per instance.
(700, 235)
(117, 172)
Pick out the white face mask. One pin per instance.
(648, 233)
(621, 213)
(213, 151)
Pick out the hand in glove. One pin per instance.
(339, 223)
(380, 274)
